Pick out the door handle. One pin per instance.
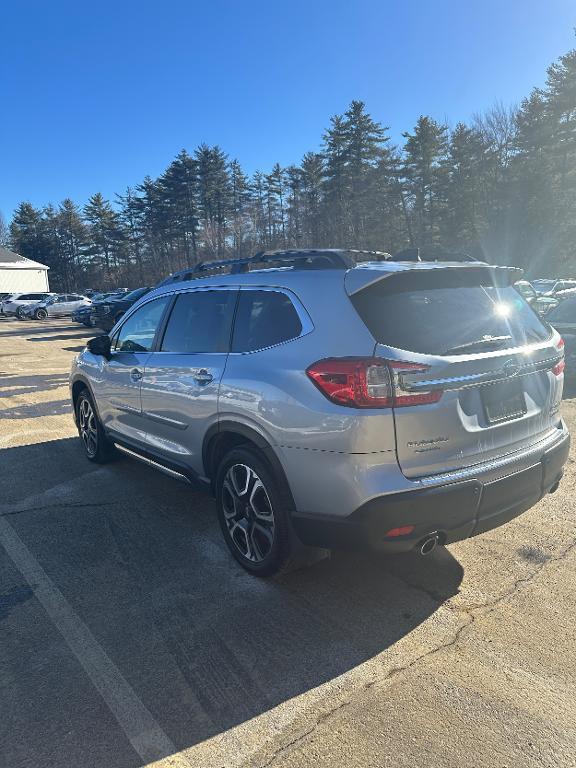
(202, 376)
(135, 374)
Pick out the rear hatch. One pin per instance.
(475, 371)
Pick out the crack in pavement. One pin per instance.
(62, 505)
(471, 612)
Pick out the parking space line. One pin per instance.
(143, 731)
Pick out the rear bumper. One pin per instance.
(453, 511)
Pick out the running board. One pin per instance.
(156, 465)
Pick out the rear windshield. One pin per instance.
(448, 319)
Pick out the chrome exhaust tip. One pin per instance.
(429, 545)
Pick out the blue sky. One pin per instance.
(94, 96)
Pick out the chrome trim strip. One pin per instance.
(169, 472)
(475, 379)
(165, 420)
(508, 461)
(126, 408)
(133, 454)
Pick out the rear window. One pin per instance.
(264, 319)
(448, 319)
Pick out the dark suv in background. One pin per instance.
(107, 314)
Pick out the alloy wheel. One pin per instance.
(87, 426)
(248, 513)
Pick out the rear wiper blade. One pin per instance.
(484, 341)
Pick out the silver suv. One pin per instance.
(395, 405)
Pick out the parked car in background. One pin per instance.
(540, 302)
(550, 287)
(527, 290)
(107, 313)
(565, 294)
(389, 404)
(563, 319)
(62, 305)
(15, 302)
(84, 314)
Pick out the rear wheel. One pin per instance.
(253, 514)
(96, 445)
(41, 314)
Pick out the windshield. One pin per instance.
(525, 289)
(443, 320)
(544, 285)
(133, 295)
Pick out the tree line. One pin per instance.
(502, 188)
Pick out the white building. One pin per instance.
(20, 275)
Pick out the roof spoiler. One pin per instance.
(433, 253)
(358, 279)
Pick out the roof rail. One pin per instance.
(313, 258)
(304, 258)
(432, 253)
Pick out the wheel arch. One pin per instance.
(76, 386)
(225, 436)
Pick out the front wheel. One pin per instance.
(41, 314)
(253, 514)
(20, 313)
(96, 445)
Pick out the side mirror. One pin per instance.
(100, 345)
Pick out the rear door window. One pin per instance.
(200, 321)
(436, 315)
(264, 319)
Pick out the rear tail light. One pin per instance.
(559, 367)
(368, 382)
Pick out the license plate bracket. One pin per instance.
(503, 401)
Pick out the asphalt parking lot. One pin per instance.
(128, 635)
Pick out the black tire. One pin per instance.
(241, 527)
(41, 314)
(97, 446)
(20, 313)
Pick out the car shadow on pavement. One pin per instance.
(37, 410)
(205, 646)
(12, 385)
(61, 337)
(23, 329)
(569, 388)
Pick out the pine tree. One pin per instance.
(179, 189)
(106, 238)
(313, 181)
(239, 208)
(424, 156)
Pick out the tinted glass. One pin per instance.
(134, 295)
(137, 333)
(200, 321)
(439, 319)
(264, 318)
(565, 312)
